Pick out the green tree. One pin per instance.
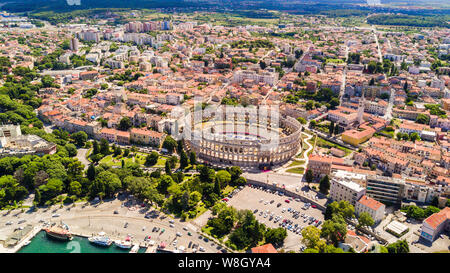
(275, 236)
(334, 230)
(192, 158)
(365, 220)
(324, 185)
(169, 144)
(183, 160)
(217, 186)
(331, 128)
(401, 246)
(104, 147)
(167, 168)
(343, 208)
(224, 178)
(125, 124)
(90, 173)
(311, 237)
(151, 159)
(75, 188)
(108, 181)
(423, 119)
(309, 176)
(414, 136)
(430, 210)
(95, 147)
(71, 149)
(79, 138)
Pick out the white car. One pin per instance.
(9, 223)
(179, 234)
(201, 249)
(55, 215)
(185, 228)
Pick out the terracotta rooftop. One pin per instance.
(437, 218)
(267, 248)
(370, 203)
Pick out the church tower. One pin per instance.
(361, 109)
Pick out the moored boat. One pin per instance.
(59, 233)
(126, 244)
(134, 249)
(101, 239)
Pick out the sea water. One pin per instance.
(41, 243)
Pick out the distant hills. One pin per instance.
(294, 6)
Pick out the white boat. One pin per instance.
(134, 249)
(27, 243)
(101, 239)
(123, 244)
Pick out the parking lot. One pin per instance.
(275, 210)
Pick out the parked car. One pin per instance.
(287, 201)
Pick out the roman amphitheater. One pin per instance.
(245, 137)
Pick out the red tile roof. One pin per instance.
(267, 248)
(437, 218)
(370, 202)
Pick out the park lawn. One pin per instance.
(161, 162)
(298, 170)
(326, 144)
(296, 163)
(110, 161)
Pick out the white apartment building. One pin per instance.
(346, 190)
(371, 206)
(267, 77)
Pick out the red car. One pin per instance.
(314, 206)
(225, 199)
(287, 201)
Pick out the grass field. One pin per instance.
(296, 163)
(326, 144)
(137, 158)
(298, 170)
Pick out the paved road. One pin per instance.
(282, 170)
(81, 156)
(388, 115)
(344, 77)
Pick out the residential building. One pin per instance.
(146, 137)
(372, 207)
(436, 224)
(385, 189)
(346, 190)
